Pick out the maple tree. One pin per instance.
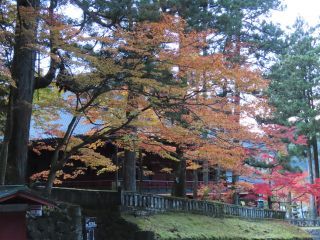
(277, 180)
(166, 109)
(151, 86)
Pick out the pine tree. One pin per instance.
(293, 87)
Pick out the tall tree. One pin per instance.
(294, 83)
(24, 81)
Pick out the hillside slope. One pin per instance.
(171, 226)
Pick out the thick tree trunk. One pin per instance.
(235, 179)
(269, 202)
(217, 174)
(195, 184)
(23, 74)
(129, 164)
(18, 145)
(129, 171)
(179, 184)
(205, 172)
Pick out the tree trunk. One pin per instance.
(289, 207)
(315, 156)
(205, 172)
(23, 74)
(195, 183)
(269, 202)
(129, 171)
(179, 184)
(55, 166)
(59, 157)
(235, 179)
(140, 171)
(217, 174)
(116, 160)
(313, 211)
(5, 143)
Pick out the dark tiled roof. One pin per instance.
(12, 191)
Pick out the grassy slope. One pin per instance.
(196, 227)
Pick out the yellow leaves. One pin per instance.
(60, 176)
(166, 170)
(94, 160)
(192, 165)
(147, 173)
(96, 144)
(74, 141)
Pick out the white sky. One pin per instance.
(307, 9)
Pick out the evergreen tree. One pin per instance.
(295, 82)
(294, 88)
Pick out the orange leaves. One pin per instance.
(40, 146)
(192, 165)
(96, 144)
(227, 158)
(60, 176)
(163, 68)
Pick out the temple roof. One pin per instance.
(22, 194)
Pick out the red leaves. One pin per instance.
(279, 183)
(283, 132)
(263, 188)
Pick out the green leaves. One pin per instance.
(295, 80)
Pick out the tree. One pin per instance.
(293, 88)
(140, 71)
(142, 65)
(28, 15)
(293, 82)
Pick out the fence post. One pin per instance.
(120, 196)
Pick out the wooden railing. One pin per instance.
(210, 208)
(304, 222)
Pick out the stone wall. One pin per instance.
(62, 223)
(87, 198)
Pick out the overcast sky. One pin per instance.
(308, 9)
